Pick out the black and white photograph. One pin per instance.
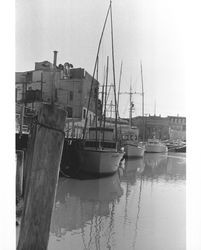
(99, 126)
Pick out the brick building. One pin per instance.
(170, 127)
(177, 127)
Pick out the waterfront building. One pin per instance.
(71, 92)
(170, 127)
(177, 127)
(152, 125)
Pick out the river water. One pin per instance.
(141, 207)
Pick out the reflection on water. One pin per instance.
(80, 201)
(140, 207)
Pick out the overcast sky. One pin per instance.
(144, 30)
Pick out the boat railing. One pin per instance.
(105, 144)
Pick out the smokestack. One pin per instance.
(55, 58)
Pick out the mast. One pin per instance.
(115, 100)
(102, 104)
(107, 67)
(111, 105)
(86, 119)
(143, 122)
(96, 100)
(131, 105)
(119, 86)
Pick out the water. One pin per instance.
(141, 207)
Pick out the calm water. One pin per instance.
(141, 207)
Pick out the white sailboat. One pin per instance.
(131, 144)
(155, 146)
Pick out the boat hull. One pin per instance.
(134, 150)
(156, 148)
(181, 149)
(99, 162)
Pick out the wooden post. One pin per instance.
(42, 174)
(28, 158)
(21, 120)
(19, 173)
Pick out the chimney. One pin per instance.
(55, 58)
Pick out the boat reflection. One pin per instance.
(131, 168)
(164, 166)
(155, 165)
(80, 201)
(155, 160)
(132, 176)
(176, 167)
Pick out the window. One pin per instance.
(71, 95)
(84, 113)
(69, 112)
(90, 118)
(55, 95)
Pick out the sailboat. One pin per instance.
(130, 141)
(155, 146)
(100, 153)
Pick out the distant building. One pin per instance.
(170, 127)
(177, 127)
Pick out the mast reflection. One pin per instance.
(84, 201)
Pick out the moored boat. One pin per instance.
(134, 150)
(181, 149)
(155, 146)
(99, 153)
(100, 157)
(131, 145)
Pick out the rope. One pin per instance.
(48, 127)
(65, 175)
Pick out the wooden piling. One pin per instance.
(42, 174)
(19, 173)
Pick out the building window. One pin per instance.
(71, 95)
(84, 113)
(55, 95)
(69, 112)
(96, 93)
(90, 119)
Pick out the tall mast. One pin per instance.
(96, 100)
(115, 100)
(130, 116)
(86, 119)
(142, 102)
(105, 96)
(119, 85)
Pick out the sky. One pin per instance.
(144, 30)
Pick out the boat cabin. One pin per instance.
(129, 135)
(107, 133)
(153, 141)
(105, 138)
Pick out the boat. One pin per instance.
(155, 146)
(101, 157)
(130, 136)
(100, 154)
(176, 146)
(131, 145)
(181, 149)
